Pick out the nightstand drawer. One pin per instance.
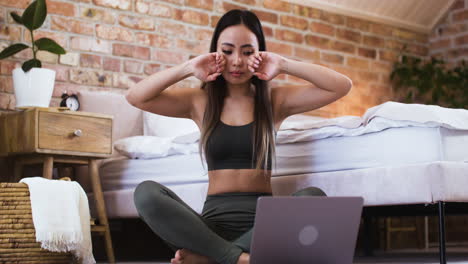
(74, 133)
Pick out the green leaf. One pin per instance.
(16, 18)
(49, 45)
(35, 15)
(31, 64)
(12, 50)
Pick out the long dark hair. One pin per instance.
(263, 137)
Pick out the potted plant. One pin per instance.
(430, 82)
(33, 85)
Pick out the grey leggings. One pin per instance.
(224, 229)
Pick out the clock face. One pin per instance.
(72, 103)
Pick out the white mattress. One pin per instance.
(405, 184)
(390, 147)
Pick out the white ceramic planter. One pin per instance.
(33, 88)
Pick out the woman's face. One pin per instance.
(237, 43)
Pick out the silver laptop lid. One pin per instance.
(305, 229)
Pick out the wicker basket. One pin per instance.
(17, 235)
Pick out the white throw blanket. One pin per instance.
(61, 217)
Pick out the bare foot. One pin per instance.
(185, 256)
(177, 258)
(244, 258)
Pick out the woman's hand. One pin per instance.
(208, 67)
(265, 65)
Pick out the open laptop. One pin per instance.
(305, 230)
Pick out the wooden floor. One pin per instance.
(383, 258)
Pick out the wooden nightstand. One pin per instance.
(53, 136)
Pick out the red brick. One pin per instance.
(61, 39)
(373, 41)
(134, 22)
(111, 64)
(198, 47)
(306, 53)
(356, 63)
(441, 43)
(160, 10)
(72, 26)
(342, 46)
(459, 4)
(294, 22)
(369, 53)
(332, 18)
(322, 28)
(124, 81)
(394, 44)
(192, 17)
(388, 55)
(6, 84)
(153, 40)
(280, 48)
(90, 77)
(368, 76)
(171, 28)
(204, 4)
(246, 2)
(151, 68)
(91, 44)
(61, 72)
(133, 66)
(228, 6)
(381, 66)
(264, 16)
(10, 32)
(117, 4)
(307, 11)
(277, 5)
(168, 57)
(332, 58)
(201, 34)
(61, 8)
(214, 20)
(408, 35)
(114, 33)
(462, 40)
(288, 35)
(319, 42)
(177, 2)
(460, 16)
(381, 29)
(94, 14)
(131, 51)
(90, 61)
(4, 101)
(16, 3)
(420, 50)
(349, 35)
(7, 67)
(267, 31)
(61, 87)
(357, 23)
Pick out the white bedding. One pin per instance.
(407, 184)
(418, 158)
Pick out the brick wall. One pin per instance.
(449, 40)
(114, 44)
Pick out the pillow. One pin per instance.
(164, 126)
(150, 147)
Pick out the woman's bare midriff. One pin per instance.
(239, 180)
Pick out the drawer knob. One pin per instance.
(77, 133)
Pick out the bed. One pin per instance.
(395, 154)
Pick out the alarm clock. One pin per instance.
(70, 101)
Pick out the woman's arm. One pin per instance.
(326, 85)
(150, 94)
